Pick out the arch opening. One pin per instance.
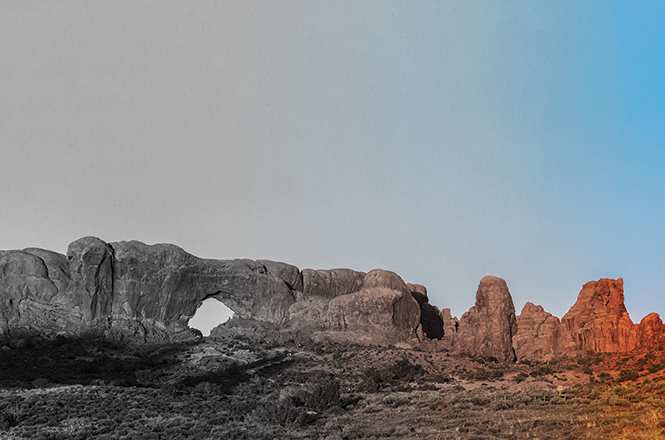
(211, 313)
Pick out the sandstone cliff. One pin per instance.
(488, 327)
(598, 320)
(537, 333)
(130, 290)
(149, 293)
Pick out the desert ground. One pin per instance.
(270, 386)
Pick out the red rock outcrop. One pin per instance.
(450, 324)
(488, 327)
(537, 333)
(598, 320)
(650, 332)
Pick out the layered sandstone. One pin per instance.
(537, 333)
(149, 293)
(650, 332)
(598, 320)
(487, 329)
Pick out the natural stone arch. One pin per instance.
(210, 313)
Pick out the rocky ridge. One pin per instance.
(148, 293)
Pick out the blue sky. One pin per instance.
(444, 141)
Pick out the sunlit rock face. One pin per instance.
(537, 333)
(488, 327)
(598, 320)
(650, 332)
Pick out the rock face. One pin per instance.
(382, 310)
(450, 324)
(488, 327)
(650, 332)
(149, 293)
(598, 321)
(130, 290)
(430, 316)
(32, 291)
(537, 333)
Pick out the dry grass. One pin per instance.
(262, 388)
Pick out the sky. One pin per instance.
(443, 140)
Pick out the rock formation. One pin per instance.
(450, 324)
(537, 333)
(383, 311)
(149, 293)
(430, 316)
(130, 290)
(598, 320)
(650, 332)
(487, 329)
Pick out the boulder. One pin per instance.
(598, 320)
(537, 333)
(486, 330)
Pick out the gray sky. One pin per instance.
(444, 141)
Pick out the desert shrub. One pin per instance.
(541, 371)
(208, 388)
(169, 389)
(441, 378)
(87, 367)
(641, 363)
(324, 395)
(520, 377)
(144, 377)
(40, 383)
(604, 376)
(396, 376)
(11, 416)
(284, 413)
(587, 370)
(627, 375)
(497, 374)
(654, 368)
